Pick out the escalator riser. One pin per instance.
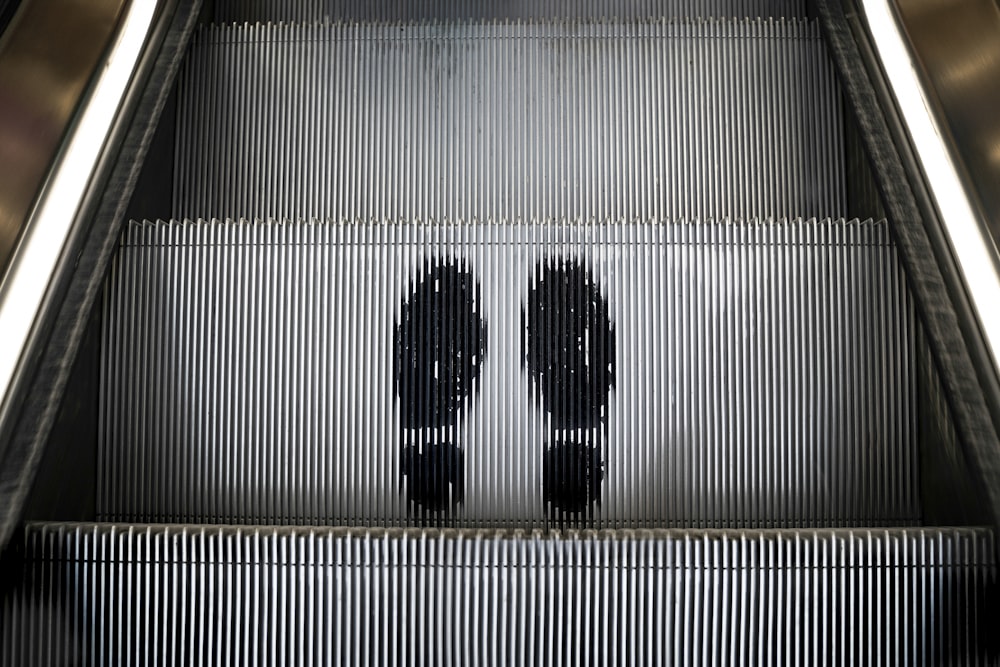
(176, 595)
(727, 374)
(241, 11)
(642, 120)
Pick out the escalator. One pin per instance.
(535, 333)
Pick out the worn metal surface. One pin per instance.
(761, 375)
(100, 594)
(473, 120)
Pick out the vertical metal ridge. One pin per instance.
(151, 594)
(250, 11)
(762, 374)
(568, 119)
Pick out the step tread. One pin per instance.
(306, 595)
(257, 373)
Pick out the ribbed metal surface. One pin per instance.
(863, 197)
(575, 120)
(699, 374)
(241, 11)
(192, 595)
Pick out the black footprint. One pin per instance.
(439, 344)
(570, 343)
(436, 476)
(571, 476)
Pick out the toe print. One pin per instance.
(439, 344)
(439, 347)
(570, 344)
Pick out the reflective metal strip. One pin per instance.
(60, 103)
(466, 120)
(610, 375)
(45, 83)
(102, 594)
(243, 11)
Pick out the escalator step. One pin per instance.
(676, 374)
(466, 120)
(103, 594)
(241, 11)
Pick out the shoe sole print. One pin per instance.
(439, 347)
(570, 356)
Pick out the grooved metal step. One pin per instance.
(534, 120)
(243, 11)
(105, 594)
(663, 374)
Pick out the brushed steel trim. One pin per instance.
(955, 45)
(965, 222)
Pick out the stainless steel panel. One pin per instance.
(956, 46)
(470, 120)
(761, 375)
(100, 594)
(251, 11)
